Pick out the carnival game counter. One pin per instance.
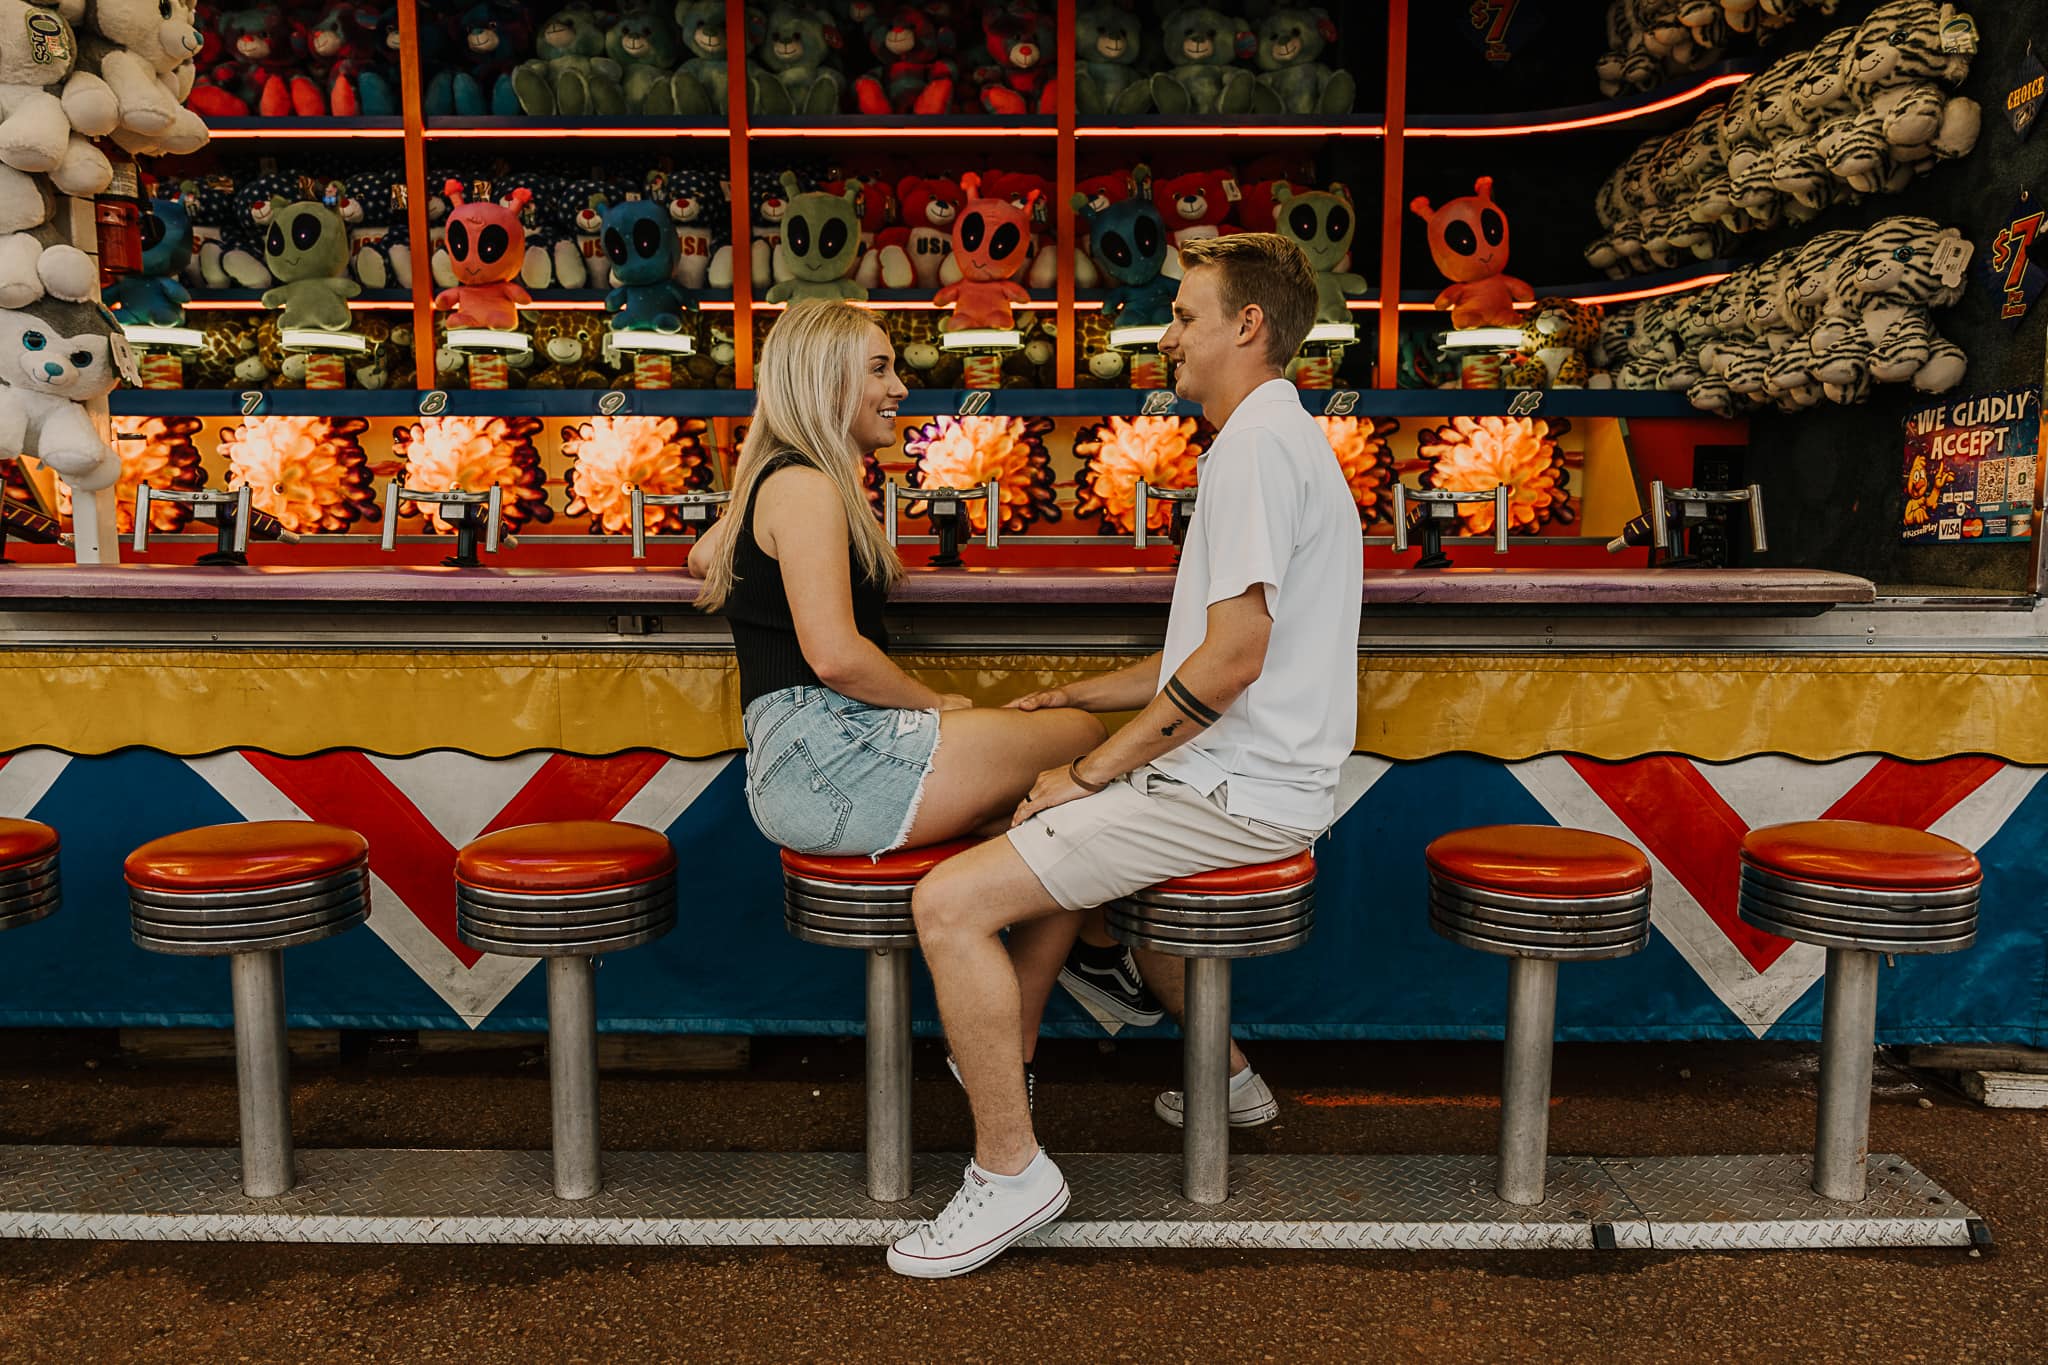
(1675, 708)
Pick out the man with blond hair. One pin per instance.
(1247, 714)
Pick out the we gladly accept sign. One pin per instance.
(1972, 468)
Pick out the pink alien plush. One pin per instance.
(486, 247)
(1468, 239)
(991, 245)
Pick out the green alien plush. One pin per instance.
(643, 43)
(1321, 223)
(795, 76)
(306, 248)
(1291, 78)
(569, 73)
(1202, 49)
(1107, 43)
(820, 244)
(700, 81)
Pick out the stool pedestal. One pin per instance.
(1525, 1079)
(568, 890)
(888, 1074)
(1209, 919)
(1860, 890)
(247, 892)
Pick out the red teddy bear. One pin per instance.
(884, 242)
(1020, 80)
(913, 77)
(1194, 206)
(930, 208)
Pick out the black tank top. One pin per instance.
(757, 609)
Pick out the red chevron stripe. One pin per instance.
(570, 788)
(1915, 795)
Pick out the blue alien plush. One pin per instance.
(1127, 240)
(640, 240)
(155, 298)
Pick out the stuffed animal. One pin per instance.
(1558, 337)
(930, 208)
(306, 251)
(697, 205)
(884, 241)
(1256, 208)
(990, 240)
(1648, 40)
(1875, 324)
(35, 259)
(37, 135)
(820, 245)
(484, 43)
(796, 47)
(770, 203)
(569, 73)
(1018, 78)
(372, 64)
(154, 297)
(134, 67)
(1103, 190)
(1902, 120)
(1468, 240)
(487, 247)
(1107, 46)
(700, 82)
(1292, 78)
(259, 71)
(912, 74)
(1203, 48)
(641, 243)
(1024, 189)
(55, 356)
(1127, 240)
(1193, 206)
(227, 244)
(1799, 285)
(642, 42)
(1322, 223)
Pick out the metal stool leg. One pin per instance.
(263, 1080)
(1848, 1035)
(1205, 1113)
(888, 1069)
(1525, 1082)
(572, 1075)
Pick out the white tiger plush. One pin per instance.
(1876, 326)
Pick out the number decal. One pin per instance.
(1526, 403)
(1341, 402)
(611, 402)
(973, 401)
(1158, 403)
(433, 402)
(252, 402)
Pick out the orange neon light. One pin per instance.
(495, 134)
(285, 129)
(1265, 130)
(256, 305)
(852, 129)
(1704, 88)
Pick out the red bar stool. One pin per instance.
(28, 872)
(1859, 890)
(567, 890)
(1209, 919)
(854, 901)
(247, 892)
(1537, 895)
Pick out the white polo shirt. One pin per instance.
(1274, 510)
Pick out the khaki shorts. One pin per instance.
(1142, 829)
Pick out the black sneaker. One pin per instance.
(1030, 1082)
(1107, 980)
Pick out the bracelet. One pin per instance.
(1074, 771)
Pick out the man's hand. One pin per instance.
(1050, 699)
(1054, 787)
(953, 701)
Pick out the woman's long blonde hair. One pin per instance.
(806, 396)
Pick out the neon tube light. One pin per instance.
(1623, 115)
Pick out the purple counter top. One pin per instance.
(57, 586)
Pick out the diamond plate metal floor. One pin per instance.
(778, 1199)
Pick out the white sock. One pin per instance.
(1023, 1177)
(1243, 1078)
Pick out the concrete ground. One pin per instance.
(109, 1302)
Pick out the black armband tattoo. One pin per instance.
(1192, 706)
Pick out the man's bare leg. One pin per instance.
(1038, 950)
(1166, 978)
(961, 907)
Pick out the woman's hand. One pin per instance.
(953, 701)
(1050, 699)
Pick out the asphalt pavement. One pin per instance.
(117, 1302)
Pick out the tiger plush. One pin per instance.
(1557, 335)
(1875, 326)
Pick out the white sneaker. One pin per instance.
(989, 1213)
(1251, 1103)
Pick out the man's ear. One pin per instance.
(1251, 321)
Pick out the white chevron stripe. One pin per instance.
(457, 793)
(1357, 777)
(1771, 789)
(672, 791)
(1973, 820)
(27, 779)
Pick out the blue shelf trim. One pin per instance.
(576, 404)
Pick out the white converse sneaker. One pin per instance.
(990, 1212)
(1251, 1103)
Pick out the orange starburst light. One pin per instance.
(614, 455)
(446, 454)
(1476, 454)
(1366, 458)
(308, 472)
(1122, 450)
(165, 457)
(967, 452)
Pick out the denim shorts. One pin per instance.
(828, 774)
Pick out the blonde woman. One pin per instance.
(847, 753)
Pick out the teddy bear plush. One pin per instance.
(569, 73)
(642, 42)
(305, 248)
(1108, 44)
(884, 240)
(1127, 239)
(487, 248)
(641, 242)
(1203, 47)
(930, 208)
(1322, 223)
(154, 297)
(484, 46)
(991, 238)
(796, 75)
(1292, 77)
(134, 69)
(700, 82)
(1558, 338)
(1193, 206)
(1876, 323)
(38, 135)
(697, 205)
(55, 356)
(1468, 240)
(820, 244)
(35, 258)
(912, 74)
(1018, 77)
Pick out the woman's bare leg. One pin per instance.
(986, 763)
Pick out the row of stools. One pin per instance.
(572, 890)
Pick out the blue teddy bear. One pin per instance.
(1127, 240)
(154, 298)
(640, 241)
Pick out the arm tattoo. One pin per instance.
(1192, 706)
(1167, 730)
